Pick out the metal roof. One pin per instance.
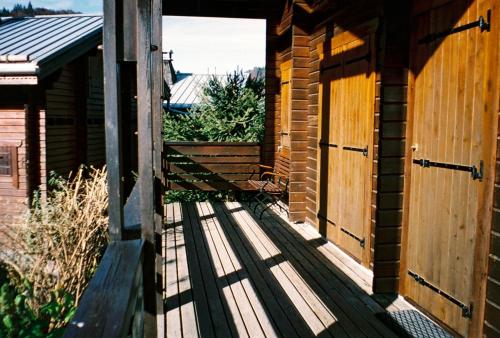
(188, 90)
(37, 46)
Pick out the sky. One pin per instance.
(200, 45)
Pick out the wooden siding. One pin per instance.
(298, 130)
(389, 145)
(61, 123)
(13, 197)
(317, 37)
(96, 152)
(491, 326)
(75, 117)
(13, 134)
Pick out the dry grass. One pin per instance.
(63, 239)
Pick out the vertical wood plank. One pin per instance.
(146, 175)
(157, 125)
(113, 118)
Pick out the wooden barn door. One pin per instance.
(450, 140)
(347, 93)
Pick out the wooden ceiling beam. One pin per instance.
(252, 9)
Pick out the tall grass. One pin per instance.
(63, 238)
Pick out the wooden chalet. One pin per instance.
(384, 116)
(51, 103)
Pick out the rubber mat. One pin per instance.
(412, 324)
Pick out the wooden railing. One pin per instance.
(210, 166)
(112, 305)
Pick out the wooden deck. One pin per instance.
(229, 274)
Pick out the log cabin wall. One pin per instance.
(46, 125)
(14, 183)
(390, 105)
(327, 26)
(96, 152)
(278, 51)
(61, 123)
(491, 327)
(75, 117)
(390, 124)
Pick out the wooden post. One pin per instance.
(112, 19)
(145, 48)
(157, 111)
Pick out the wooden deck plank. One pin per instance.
(285, 317)
(234, 296)
(189, 320)
(230, 274)
(173, 318)
(350, 269)
(335, 303)
(198, 288)
(329, 284)
(317, 315)
(220, 312)
(250, 307)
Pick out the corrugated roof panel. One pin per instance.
(27, 36)
(189, 90)
(42, 36)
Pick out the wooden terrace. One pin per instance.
(227, 273)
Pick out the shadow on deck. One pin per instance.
(232, 275)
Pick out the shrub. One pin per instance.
(59, 247)
(231, 110)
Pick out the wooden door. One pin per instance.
(450, 140)
(347, 93)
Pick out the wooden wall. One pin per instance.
(389, 122)
(61, 123)
(75, 117)
(317, 37)
(492, 307)
(56, 126)
(388, 173)
(96, 152)
(298, 130)
(13, 199)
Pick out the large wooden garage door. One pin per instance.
(347, 92)
(447, 153)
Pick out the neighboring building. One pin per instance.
(187, 91)
(51, 102)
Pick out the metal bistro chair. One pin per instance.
(272, 186)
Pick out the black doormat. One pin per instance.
(412, 324)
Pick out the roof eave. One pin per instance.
(71, 52)
(25, 73)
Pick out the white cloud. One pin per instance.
(208, 44)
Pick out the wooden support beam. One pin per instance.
(157, 126)
(130, 30)
(112, 19)
(145, 48)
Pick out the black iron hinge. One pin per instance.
(483, 24)
(364, 150)
(476, 173)
(466, 310)
(362, 241)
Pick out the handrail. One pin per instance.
(112, 304)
